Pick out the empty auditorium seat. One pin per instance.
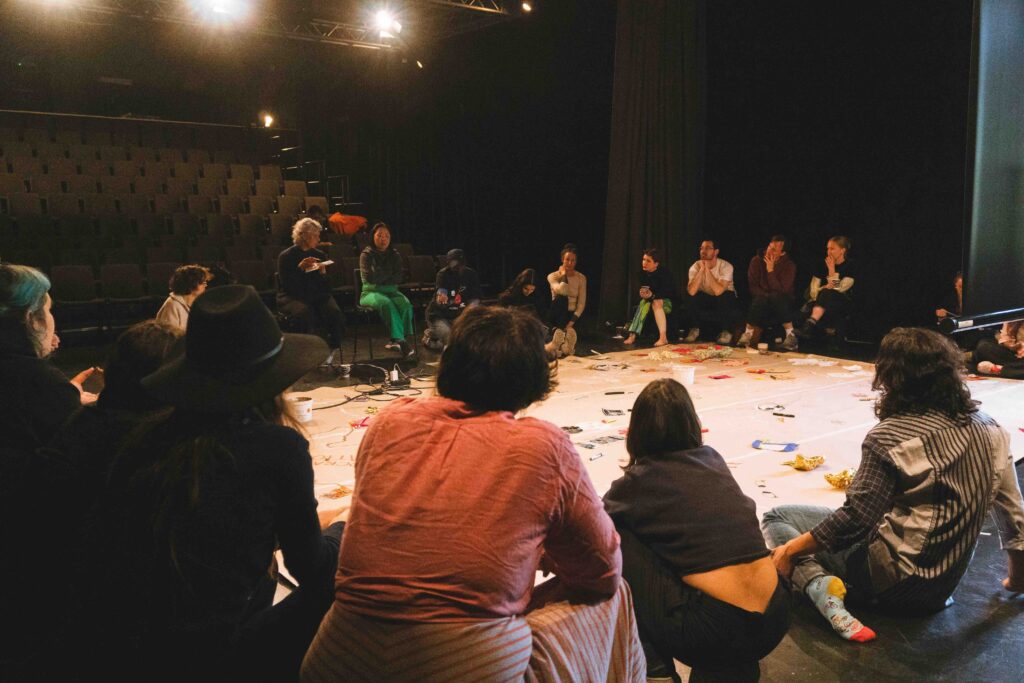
(238, 187)
(73, 284)
(100, 204)
(267, 187)
(112, 153)
(163, 254)
(164, 203)
(171, 155)
(116, 185)
(179, 186)
(289, 206)
(270, 172)
(219, 171)
(199, 204)
(142, 154)
(147, 185)
(242, 172)
(125, 168)
(26, 166)
(83, 152)
(61, 167)
(158, 275)
(156, 169)
(59, 204)
(138, 204)
(11, 183)
(186, 169)
(81, 184)
(11, 149)
(240, 252)
(252, 273)
(225, 156)
(230, 205)
(263, 205)
(185, 225)
(25, 203)
(203, 253)
(44, 184)
(220, 226)
(295, 188)
(198, 156)
(281, 229)
(151, 227)
(315, 201)
(252, 224)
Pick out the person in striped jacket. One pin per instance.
(930, 471)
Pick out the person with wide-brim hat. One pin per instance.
(176, 572)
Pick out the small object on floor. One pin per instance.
(841, 480)
(339, 492)
(986, 367)
(372, 410)
(762, 349)
(704, 430)
(725, 338)
(613, 411)
(827, 594)
(356, 424)
(757, 371)
(783, 415)
(709, 353)
(719, 376)
(769, 407)
(692, 336)
(790, 343)
(778, 446)
(735, 363)
(608, 420)
(805, 464)
(572, 429)
(595, 456)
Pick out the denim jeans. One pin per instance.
(787, 522)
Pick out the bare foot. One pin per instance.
(661, 342)
(630, 340)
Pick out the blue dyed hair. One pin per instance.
(23, 292)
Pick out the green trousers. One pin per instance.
(394, 308)
(642, 309)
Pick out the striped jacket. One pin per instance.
(919, 501)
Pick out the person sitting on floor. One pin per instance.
(452, 559)
(457, 287)
(380, 267)
(770, 277)
(568, 299)
(711, 296)
(37, 397)
(705, 591)
(178, 574)
(187, 283)
(304, 290)
(657, 292)
(928, 474)
(1004, 355)
(831, 291)
(522, 293)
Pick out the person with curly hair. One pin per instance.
(929, 472)
(186, 284)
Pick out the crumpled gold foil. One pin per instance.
(841, 480)
(805, 464)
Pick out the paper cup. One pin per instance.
(684, 374)
(762, 349)
(303, 407)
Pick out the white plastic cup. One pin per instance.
(303, 406)
(684, 374)
(762, 349)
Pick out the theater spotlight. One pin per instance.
(419, 63)
(386, 23)
(221, 11)
(527, 7)
(268, 120)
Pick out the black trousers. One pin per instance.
(721, 642)
(836, 304)
(770, 309)
(711, 312)
(323, 317)
(559, 314)
(993, 352)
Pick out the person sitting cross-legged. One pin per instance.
(711, 302)
(929, 473)
(657, 292)
(831, 291)
(380, 267)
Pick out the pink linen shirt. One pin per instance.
(453, 508)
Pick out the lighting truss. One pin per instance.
(489, 6)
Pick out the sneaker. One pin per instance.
(724, 339)
(393, 345)
(558, 342)
(744, 339)
(986, 367)
(569, 347)
(407, 351)
(790, 343)
(807, 329)
(692, 336)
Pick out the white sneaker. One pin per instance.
(744, 339)
(569, 346)
(790, 343)
(692, 335)
(724, 338)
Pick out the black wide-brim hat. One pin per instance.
(235, 355)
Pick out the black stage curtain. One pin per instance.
(654, 174)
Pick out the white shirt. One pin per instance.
(174, 312)
(722, 272)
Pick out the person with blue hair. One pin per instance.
(37, 398)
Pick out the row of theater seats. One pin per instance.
(61, 205)
(47, 149)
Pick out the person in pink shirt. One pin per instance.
(457, 504)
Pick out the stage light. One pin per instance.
(221, 11)
(419, 63)
(387, 24)
(268, 120)
(527, 7)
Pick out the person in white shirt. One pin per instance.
(186, 284)
(568, 299)
(711, 303)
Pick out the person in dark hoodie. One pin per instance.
(457, 288)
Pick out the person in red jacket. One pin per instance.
(770, 276)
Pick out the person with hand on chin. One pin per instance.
(831, 291)
(770, 277)
(657, 292)
(711, 296)
(568, 299)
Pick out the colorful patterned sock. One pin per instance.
(827, 593)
